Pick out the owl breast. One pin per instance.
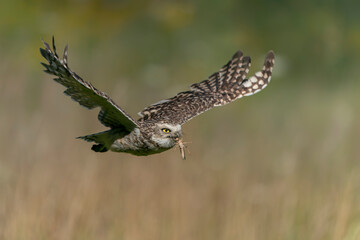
(138, 144)
(163, 142)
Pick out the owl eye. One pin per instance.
(166, 130)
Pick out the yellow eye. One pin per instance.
(166, 130)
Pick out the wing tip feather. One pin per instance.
(270, 56)
(247, 59)
(269, 60)
(238, 54)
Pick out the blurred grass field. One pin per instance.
(282, 164)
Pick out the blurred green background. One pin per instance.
(283, 164)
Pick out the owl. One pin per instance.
(159, 126)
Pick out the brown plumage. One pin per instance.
(159, 127)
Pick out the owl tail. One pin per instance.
(103, 139)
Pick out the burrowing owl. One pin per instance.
(159, 127)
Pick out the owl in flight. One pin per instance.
(159, 126)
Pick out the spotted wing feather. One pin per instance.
(83, 92)
(220, 88)
(260, 80)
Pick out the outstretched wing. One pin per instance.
(219, 89)
(83, 92)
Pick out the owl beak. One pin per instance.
(176, 136)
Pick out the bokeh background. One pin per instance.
(283, 164)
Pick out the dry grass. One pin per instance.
(281, 169)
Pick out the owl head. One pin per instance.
(166, 135)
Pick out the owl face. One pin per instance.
(166, 135)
